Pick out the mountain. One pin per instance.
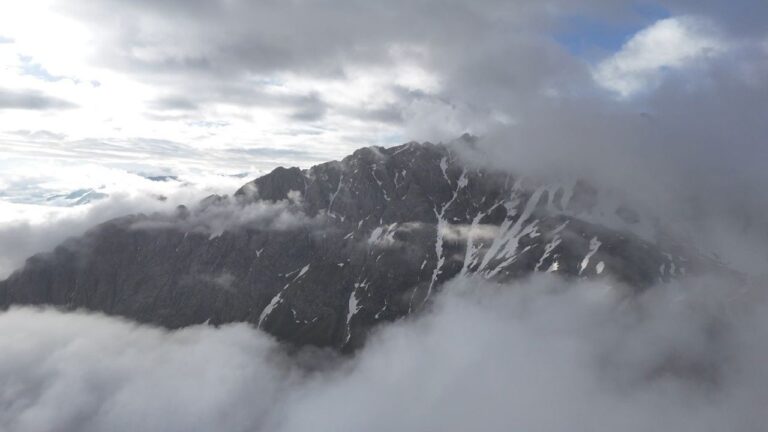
(76, 198)
(320, 256)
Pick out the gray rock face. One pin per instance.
(340, 247)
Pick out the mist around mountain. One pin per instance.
(417, 287)
(321, 256)
(541, 354)
(406, 288)
(336, 215)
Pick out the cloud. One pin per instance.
(748, 19)
(217, 214)
(686, 142)
(31, 100)
(178, 103)
(682, 150)
(354, 74)
(46, 228)
(197, 379)
(278, 153)
(31, 222)
(667, 45)
(40, 135)
(461, 233)
(541, 355)
(311, 109)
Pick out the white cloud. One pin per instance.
(69, 373)
(115, 105)
(32, 222)
(543, 355)
(669, 44)
(229, 215)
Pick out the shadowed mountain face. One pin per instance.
(320, 256)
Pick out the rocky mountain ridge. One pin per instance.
(320, 256)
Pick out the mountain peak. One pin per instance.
(379, 232)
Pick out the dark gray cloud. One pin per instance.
(175, 103)
(276, 153)
(302, 108)
(391, 113)
(309, 109)
(31, 100)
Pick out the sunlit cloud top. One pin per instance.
(236, 86)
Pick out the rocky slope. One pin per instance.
(319, 256)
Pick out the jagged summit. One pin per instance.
(379, 232)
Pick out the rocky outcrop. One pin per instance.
(344, 246)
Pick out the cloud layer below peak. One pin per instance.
(541, 355)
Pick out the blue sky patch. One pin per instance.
(592, 38)
(36, 70)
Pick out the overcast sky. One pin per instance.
(240, 85)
